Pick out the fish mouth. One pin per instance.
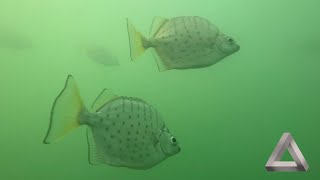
(238, 48)
(225, 51)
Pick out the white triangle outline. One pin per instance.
(287, 142)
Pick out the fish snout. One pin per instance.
(238, 47)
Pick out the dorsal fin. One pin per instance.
(105, 96)
(157, 23)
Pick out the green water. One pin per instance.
(228, 117)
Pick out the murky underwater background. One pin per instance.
(228, 117)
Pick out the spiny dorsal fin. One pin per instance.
(105, 96)
(157, 23)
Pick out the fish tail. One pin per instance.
(65, 113)
(137, 41)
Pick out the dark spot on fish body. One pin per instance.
(123, 123)
(132, 125)
(118, 115)
(106, 128)
(120, 141)
(148, 154)
(129, 132)
(111, 136)
(129, 116)
(114, 123)
(118, 131)
(138, 116)
(128, 139)
(101, 120)
(137, 132)
(139, 123)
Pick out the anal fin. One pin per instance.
(94, 154)
(161, 63)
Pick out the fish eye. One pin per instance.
(230, 40)
(173, 139)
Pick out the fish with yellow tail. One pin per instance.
(122, 131)
(186, 42)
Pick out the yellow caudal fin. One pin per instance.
(65, 112)
(136, 41)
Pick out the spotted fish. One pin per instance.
(182, 43)
(101, 55)
(122, 131)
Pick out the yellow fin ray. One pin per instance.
(136, 41)
(65, 112)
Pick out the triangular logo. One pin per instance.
(287, 142)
